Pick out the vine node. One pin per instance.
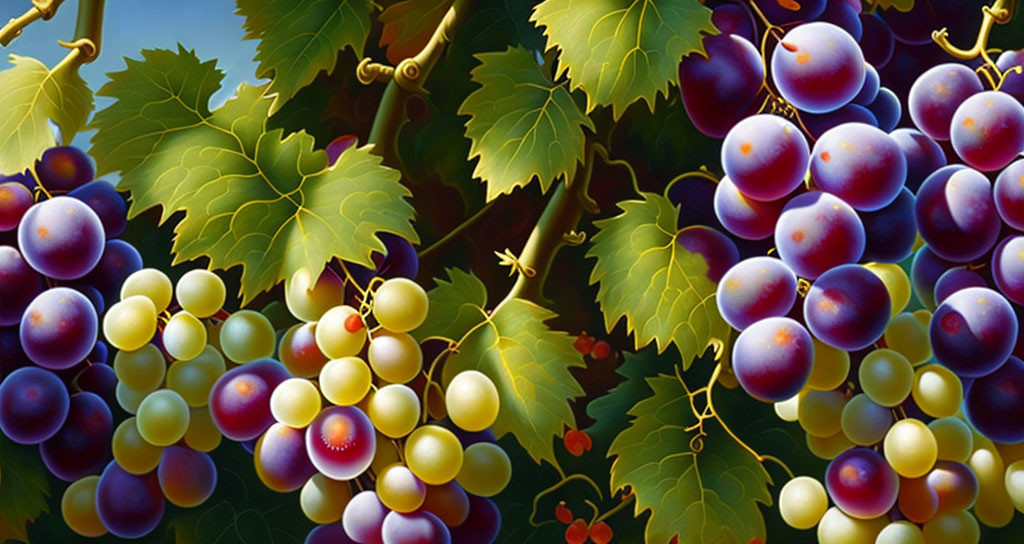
(368, 71)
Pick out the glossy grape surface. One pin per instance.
(861, 483)
(988, 130)
(240, 400)
(754, 289)
(743, 216)
(937, 94)
(33, 405)
(64, 168)
(973, 331)
(282, 463)
(817, 232)
(818, 67)
(860, 164)
(19, 285)
(995, 403)
(82, 445)
(341, 442)
(720, 89)
(109, 206)
(61, 238)
(847, 307)
(956, 214)
(772, 358)
(187, 477)
(923, 155)
(765, 156)
(129, 506)
(59, 328)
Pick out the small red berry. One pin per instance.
(562, 513)
(675, 540)
(577, 532)
(353, 323)
(584, 344)
(756, 540)
(577, 442)
(601, 350)
(601, 533)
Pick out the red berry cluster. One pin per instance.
(588, 345)
(578, 531)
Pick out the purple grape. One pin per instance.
(848, 307)
(818, 124)
(249, 445)
(756, 289)
(187, 477)
(59, 328)
(861, 483)
(414, 528)
(61, 238)
(973, 331)
(816, 232)
(772, 358)
(955, 485)
(718, 251)
(955, 279)
(82, 445)
(860, 164)
(995, 403)
(25, 178)
(695, 198)
(64, 168)
(1008, 268)
(108, 204)
(890, 233)
(281, 460)
(780, 14)
(924, 156)
(925, 272)
(363, 517)
(129, 506)
(743, 216)
(1014, 82)
(842, 14)
(988, 130)
(1009, 195)
(338, 146)
(915, 27)
(936, 95)
(100, 353)
(119, 260)
(399, 261)
(869, 90)
(734, 19)
(720, 88)
(818, 67)
(101, 380)
(240, 399)
(12, 356)
(33, 405)
(765, 156)
(482, 524)
(956, 215)
(15, 200)
(341, 442)
(886, 109)
(19, 284)
(91, 293)
(877, 40)
(333, 533)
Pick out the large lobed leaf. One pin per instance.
(645, 276)
(521, 124)
(250, 197)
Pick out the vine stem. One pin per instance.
(603, 153)
(623, 504)
(1000, 12)
(560, 483)
(41, 9)
(457, 230)
(703, 172)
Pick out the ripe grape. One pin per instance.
(720, 88)
(1015, 483)
(64, 168)
(818, 67)
(973, 331)
(955, 485)
(193, 380)
(82, 445)
(886, 377)
(341, 442)
(448, 502)
(959, 527)
(400, 305)
(765, 156)
(820, 412)
(957, 278)
(363, 517)
(890, 232)
(937, 391)
(129, 399)
(802, 502)
(414, 528)
(988, 130)
(399, 489)
(936, 95)
(925, 271)
(860, 164)
(150, 283)
(240, 400)
(200, 292)
(61, 238)
(819, 124)
(953, 437)
(865, 422)
(830, 369)
(773, 358)
(486, 470)
(187, 477)
(129, 505)
(924, 156)
(299, 352)
(184, 336)
(78, 508)
(399, 260)
(836, 527)
(910, 448)
(897, 284)
(472, 400)
(434, 454)
(754, 289)
(917, 500)
(58, 328)
(886, 109)
(295, 402)
(33, 405)
(717, 250)
(743, 216)
(1008, 268)
(131, 451)
(323, 499)
(395, 356)
(847, 307)
(877, 40)
(992, 506)
(345, 381)
(956, 214)
(202, 433)
(817, 232)
(104, 199)
(869, 90)
(995, 403)
(734, 19)
(481, 525)
(246, 336)
(861, 483)
(1008, 194)
(281, 459)
(19, 284)
(309, 301)
(130, 324)
(900, 532)
(162, 417)
(394, 410)
(828, 447)
(340, 332)
(15, 200)
(119, 261)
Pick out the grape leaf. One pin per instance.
(408, 26)
(25, 491)
(708, 496)
(455, 306)
(621, 51)
(250, 197)
(901, 5)
(299, 38)
(610, 411)
(659, 287)
(521, 124)
(31, 95)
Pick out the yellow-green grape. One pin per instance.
(472, 401)
(308, 298)
(838, 528)
(789, 409)
(831, 367)
(394, 410)
(433, 454)
(906, 335)
(141, 370)
(130, 324)
(131, 451)
(212, 359)
(399, 489)
(162, 417)
(886, 377)
(958, 527)
(820, 412)
(193, 381)
(803, 502)
(184, 336)
(828, 447)
(323, 499)
(1014, 481)
(202, 433)
(900, 532)
(865, 422)
(910, 448)
(896, 283)
(953, 437)
(923, 317)
(340, 332)
(400, 305)
(129, 399)
(993, 505)
(150, 283)
(395, 356)
(247, 336)
(385, 454)
(295, 402)
(345, 381)
(486, 469)
(937, 391)
(435, 401)
(78, 507)
(200, 293)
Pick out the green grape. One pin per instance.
(803, 502)
(952, 528)
(865, 422)
(394, 410)
(900, 532)
(993, 505)
(212, 359)
(1014, 481)
(345, 381)
(953, 437)
(340, 332)
(200, 293)
(910, 448)
(820, 412)
(163, 417)
(385, 454)
(150, 283)
(923, 317)
(472, 401)
(789, 409)
(184, 336)
(395, 356)
(399, 489)
(78, 507)
(130, 324)
(247, 336)
(131, 451)
(400, 305)
(202, 433)
(323, 499)
(908, 337)
(141, 370)
(896, 283)
(192, 380)
(886, 377)
(838, 528)
(486, 469)
(295, 402)
(129, 399)
(828, 447)
(308, 301)
(433, 454)
(937, 391)
(830, 369)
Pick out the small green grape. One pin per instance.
(130, 324)
(803, 502)
(163, 417)
(201, 293)
(247, 336)
(184, 336)
(150, 283)
(400, 305)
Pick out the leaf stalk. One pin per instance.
(41, 9)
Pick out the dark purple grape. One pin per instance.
(108, 204)
(61, 238)
(924, 156)
(25, 178)
(925, 271)
(1008, 268)
(772, 358)
(281, 460)
(889, 233)
(842, 14)
(187, 477)
(755, 289)
(973, 331)
(329, 534)
(877, 40)
(718, 251)
(338, 146)
(33, 405)
(735, 19)
(1009, 195)
(249, 445)
(64, 168)
(399, 261)
(936, 95)
(720, 87)
(129, 506)
(82, 445)
(695, 198)
(15, 200)
(995, 403)
(363, 517)
(765, 156)
(91, 293)
(781, 13)
(12, 356)
(101, 380)
(860, 164)
(915, 27)
(818, 67)
(861, 483)
(743, 216)
(482, 524)
(869, 90)
(955, 279)
(1014, 82)
(886, 109)
(59, 328)
(100, 353)
(848, 307)
(414, 528)
(818, 124)
(240, 399)
(119, 260)
(19, 284)
(987, 130)
(956, 214)
(341, 442)
(816, 232)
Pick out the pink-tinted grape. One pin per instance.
(119, 260)
(781, 13)
(754, 289)
(818, 67)
(995, 403)
(877, 40)
(240, 400)
(955, 279)
(718, 251)
(19, 284)
(414, 528)
(886, 109)
(1008, 268)
(925, 271)
(818, 231)
(734, 19)
(956, 215)
(720, 88)
(743, 216)
(82, 445)
(15, 200)
(917, 501)
(848, 307)
(988, 130)
(820, 123)
(869, 90)
(281, 460)
(954, 484)
(765, 156)
(108, 204)
(363, 517)
(338, 146)
(772, 358)
(482, 524)
(64, 168)
(924, 156)
(187, 477)
(299, 352)
(61, 238)
(1009, 195)
(842, 14)
(861, 483)
(59, 328)
(341, 442)
(1014, 82)
(129, 506)
(890, 233)
(937, 94)
(860, 164)
(33, 405)
(333, 533)
(973, 332)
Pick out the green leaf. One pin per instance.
(704, 497)
(299, 38)
(621, 51)
(250, 198)
(521, 124)
(610, 411)
(30, 96)
(901, 5)
(408, 26)
(25, 490)
(455, 306)
(659, 287)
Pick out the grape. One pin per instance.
(886, 109)
(925, 271)
(860, 164)
(1008, 194)
(900, 532)
(129, 399)
(386, 454)
(820, 412)
(818, 67)
(399, 260)
(19, 284)
(864, 422)
(281, 459)
(341, 442)
(61, 238)
(472, 400)
(973, 331)
(838, 528)
(937, 390)
(781, 13)
(340, 332)
(481, 525)
(187, 477)
(773, 358)
(295, 402)
(299, 352)
(936, 95)
(58, 328)
(886, 377)
(448, 502)
(323, 499)
(720, 88)
(345, 381)
(877, 40)
(830, 369)
(415, 528)
(394, 410)
(33, 405)
(1008, 268)
(1015, 483)
(78, 508)
(896, 282)
(816, 232)
(202, 433)
(953, 437)
(211, 359)
(910, 448)
(848, 307)
(869, 90)
(486, 469)
(845, 16)
(163, 417)
(107, 203)
(130, 324)
(193, 380)
(150, 283)
(15, 200)
(924, 156)
(309, 302)
(119, 261)
(329, 534)
(200, 292)
(82, 445)
(788, 410)
(917, 501)
(433, 454)
(717, 250)
(988, 130)
(395, 356)
(890, 232)
(399, 489)
(765, 156)
(64, 168)
(992, 506)
(129, 506)
(755, 289)
(246, 336)
(819, 124)
(400, 305)
(240, 400)
(743, 216)
(131, 451)
(1014, 82)
(956, 214)
(694, 196)
(952, 527)
(91, 293)
(734, 19)
(802, 502)
(954, 484)
(100, 379)
(363, 517)
(861, 483)
(184, 336)
(995, 403)
(828, 447)
(958, 278)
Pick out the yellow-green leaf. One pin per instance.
(408, 26)
(455, 306)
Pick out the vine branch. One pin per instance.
(41, 9)
(1001, 12)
